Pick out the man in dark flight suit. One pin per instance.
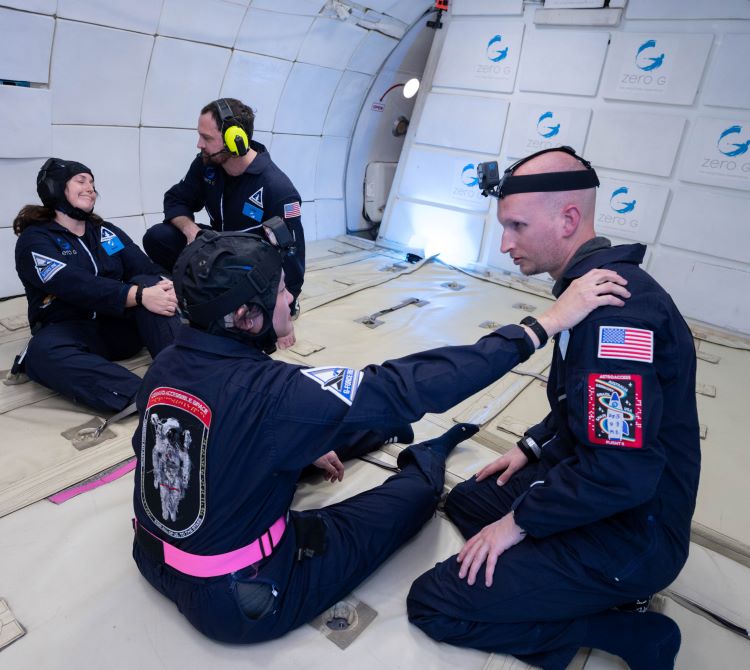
(593, 507)
(234, 178)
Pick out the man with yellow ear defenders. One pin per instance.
(234, 178)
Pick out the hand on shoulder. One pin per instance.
(596, 288)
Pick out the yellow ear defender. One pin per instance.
(235, 138)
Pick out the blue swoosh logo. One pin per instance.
(739, 147)
(623, 206)
(653, 62)
(471, 180)
(551, 130)
(500, 53)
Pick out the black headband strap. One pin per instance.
(548, 181)
(225, 111)
(491, 183)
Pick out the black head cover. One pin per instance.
(50, 185)
(219, 272)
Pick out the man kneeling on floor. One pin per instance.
(225, 431)
(593, 507)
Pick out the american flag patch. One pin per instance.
(291, 210)
(630, 344)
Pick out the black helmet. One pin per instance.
(219, 272)
(50, 185)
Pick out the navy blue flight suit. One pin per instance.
(254, 424)
(608, 506)
(76, 289)
(233, 203)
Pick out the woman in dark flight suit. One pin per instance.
(93, 296)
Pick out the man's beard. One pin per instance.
(216, 160)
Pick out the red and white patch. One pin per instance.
(615, 407)
(174, 438)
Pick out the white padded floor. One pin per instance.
(66, 571)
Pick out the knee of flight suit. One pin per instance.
(422, 605)
(163, 243)
(471, 505)
(429, 464)
(48, 346)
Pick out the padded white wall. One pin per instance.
(26, 120)
(25, 49)
(660, 104)
(110, 90)
(119, 86)
(376, 106)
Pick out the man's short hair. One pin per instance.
(241, 114)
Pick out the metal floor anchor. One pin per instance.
(85, 436)
(345, 621)
(96, 432)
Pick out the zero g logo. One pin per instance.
(465, 188)
(469, 175)
(546, 128)
(495, 64)
(728, 146)
(544, 125)
(645, 59)
(621, 214)
(733, 144)
(493, 51)
(619, 204)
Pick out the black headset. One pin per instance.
(235, 137)
(49, 189)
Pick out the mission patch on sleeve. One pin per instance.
(615, 405)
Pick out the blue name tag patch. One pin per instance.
(253, 212)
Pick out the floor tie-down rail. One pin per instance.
(373, 321)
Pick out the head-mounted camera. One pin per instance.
(491, 183)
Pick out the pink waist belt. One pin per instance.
(196, 565)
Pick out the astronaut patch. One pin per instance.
(257, 197)
(46, 267)
(110, 242)
(173, 460)
(342, 382)
(615, 405)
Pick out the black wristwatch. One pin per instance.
(139, 294)
(530, 448)
(538, 329)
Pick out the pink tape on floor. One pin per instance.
(72, 492)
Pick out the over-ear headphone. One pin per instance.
(235, 138)
(49, 190)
